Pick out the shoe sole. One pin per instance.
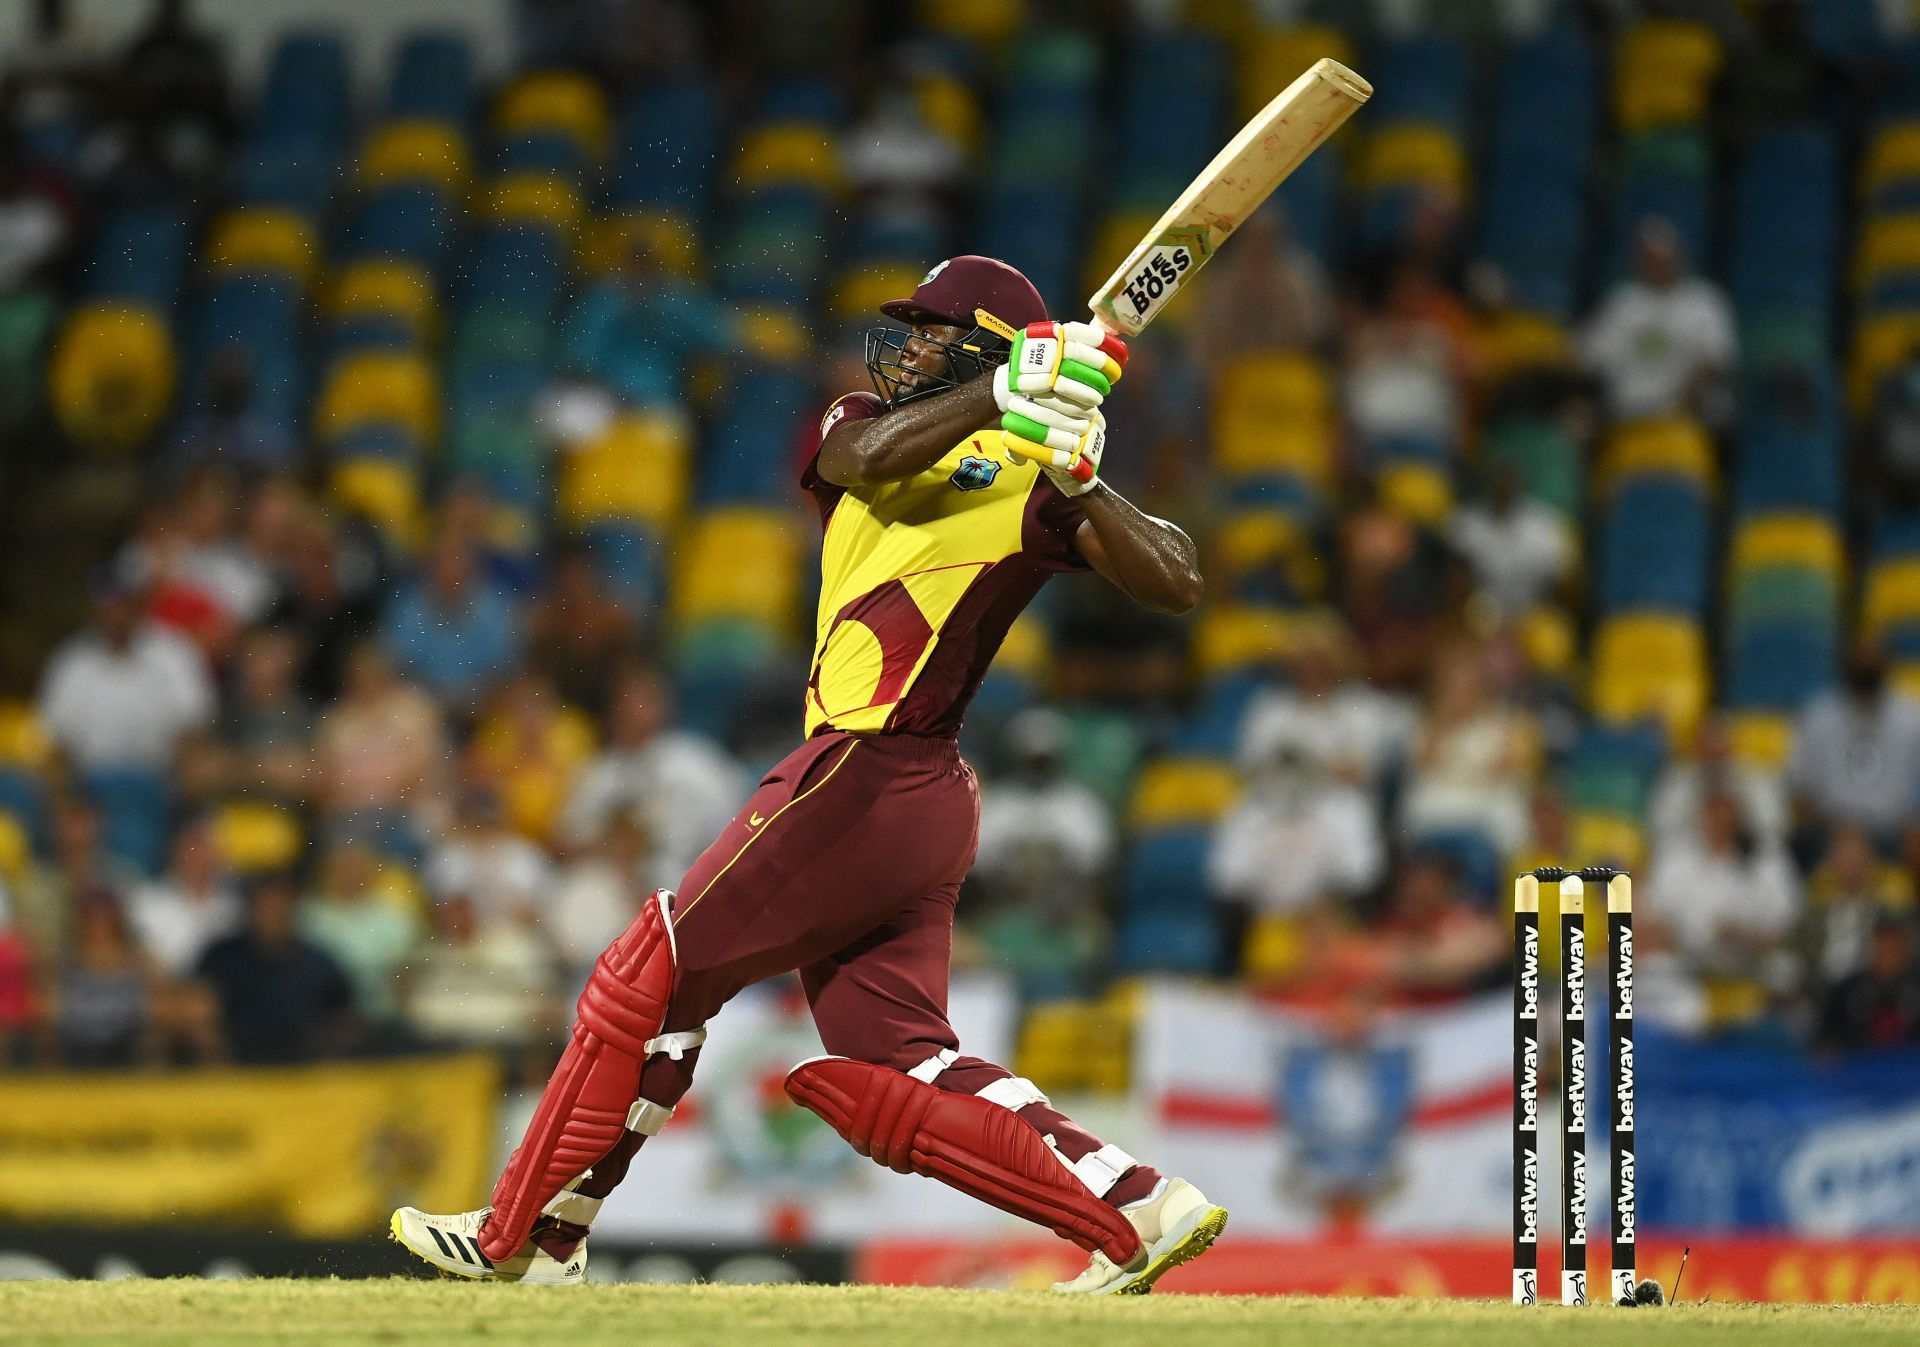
(1196, 1242)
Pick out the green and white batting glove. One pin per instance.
(1076, 363)
(1071, 462)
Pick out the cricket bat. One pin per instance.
(1269, 148)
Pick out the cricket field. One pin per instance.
(400, 1311)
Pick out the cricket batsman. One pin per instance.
(948, 496)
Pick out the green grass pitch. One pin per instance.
(401, 1311)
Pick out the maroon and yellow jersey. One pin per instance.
(920, 579)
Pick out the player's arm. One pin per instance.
(1154, 562)
(907, 440)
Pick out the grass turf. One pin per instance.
(399, 1311)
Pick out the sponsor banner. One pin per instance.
(1722, 1269)
(60, 1253)
(741, 1162)
(313, 1151)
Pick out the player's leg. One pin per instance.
(906, 1097)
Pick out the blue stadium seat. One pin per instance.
(1212, 728)
(307, 89)
(411, 221)
(135, 810)
(801, 99)
(1612, 769)
(1421, 79)
(1168, 942)
(745, 461)
(1778, 668)
(553, 152)
(433, 77)
(1166, 871)
(668, 147)
(140, 253)
(1780, 466)
(1654, 547)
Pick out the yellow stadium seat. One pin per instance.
(1549, 641)
(1651, 665)
(1787, 539)
(1075, 1045)
(16, 849)
(381, 491)
(1882, 343)
(637, 470)
(773, 333)
(23, 741)
(1664, 74)
(1255, 538)
(1888, 244)
(416, 149)
(555, 100)
(986, 22)
(789, 154)
(861, 291)
(1111, 244)
(1892, 595)
(1277, 386)
(253, 836)
(1516, 341)
(671, 239)
(368, 387)
(1417, 491)
(1669, 445)
(1601, 838)
(1273, 58)
(738, 563)
(1906, 679)
(1176, 792)
(1026, 650)
(1235, 635)
(1760, 738)
(264, 239)
(111, 375)
(1894, 155)
(537, 199)
(949, 106)
(379, 286)
(1276, 948)
(1275, 413)
(1429, 155)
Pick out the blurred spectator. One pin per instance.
(452, 629)
(381, 750)
(119, 696)
(1848, 895)
(1354, 731)
(577, 633)
(1432, 942)
(1856, 753)
(1520, 550)
(202, 579)
(1662, 342)
(1879, 1006)
(37, 215)
(19, 1007)
(1045, 842)
(1392, 590)
(634, 331)
(1673, 810)
(329, 597)
(597, 896)
(1266, 294)
(100, 1013)
(81, 872)
(1403, 371)
(184, 911)
(369, 930)
(505, 877)
(481, 984)
(226, 430)
(262, 738)
(1299, 837)
(174, 78)
(1719, 905)
(1473, 758)
(678, 787)
(531, 749)
(903, 167)
(282, 998)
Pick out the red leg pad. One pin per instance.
(584, 1108)
(981, 1149)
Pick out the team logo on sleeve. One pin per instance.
(975, 474)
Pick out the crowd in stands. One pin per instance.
(469, 588)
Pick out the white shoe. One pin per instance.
(448, 1243)
(1176, 1225)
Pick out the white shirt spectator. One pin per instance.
(1295, 842)
(1518, 553)
(677, 786)
(1401, 382)
(500, 873)
(1649, 343)
(1677, 797)
(175, 926)
(1061, 816)
(594, 901)
(1357, 730)
(1696, 891)
(1859, 761)
(125, 708)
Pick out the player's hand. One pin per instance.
(1071, 464)
(1076, 363)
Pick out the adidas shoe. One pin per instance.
(449, 1244)
(1176, 1225)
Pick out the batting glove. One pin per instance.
(1071, 465)
(1077, 363)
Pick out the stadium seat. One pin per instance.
(1676, 447)
(1182, 792)
(1427, 156)
(860, 292)
(789, 155)
(538, 200)
(398, 292)
(432, 77)
(261, 240)
(555, 100)
(637, 470)
(1664, 74)
(111, 375)
(415, 150)
(252, 836)
(135, 809)
(1650, 665)
(1802, 540)
(1881, 343)
(670, 238)
(1238, 636)
(738, 563)
(379, 386)
(1272, 58)
(384, 492)
(1655, 543)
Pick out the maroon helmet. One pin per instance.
(950, 294)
